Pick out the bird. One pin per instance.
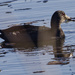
(28, 35)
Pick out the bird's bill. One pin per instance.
(69, 18)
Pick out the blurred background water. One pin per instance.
(35, 62)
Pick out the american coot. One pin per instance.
(28, 35)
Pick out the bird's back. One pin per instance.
(26, 33)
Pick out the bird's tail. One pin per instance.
(2, 35)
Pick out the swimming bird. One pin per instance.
(29, 34)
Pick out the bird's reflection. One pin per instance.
(61, 55)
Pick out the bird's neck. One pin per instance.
(55, 24)
(57, 30)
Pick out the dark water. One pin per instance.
(46, 60)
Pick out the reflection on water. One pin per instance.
(55, 45)
(41, 56)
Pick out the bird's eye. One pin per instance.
(63, 13)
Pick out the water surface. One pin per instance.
(40, 60)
